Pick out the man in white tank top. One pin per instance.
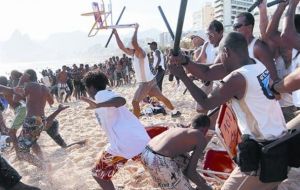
(244, 24)
(145, 78)
(158, 64)
(246, 86)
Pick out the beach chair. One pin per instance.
(103, 18)
(218, 164)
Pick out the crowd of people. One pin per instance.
(257, 77)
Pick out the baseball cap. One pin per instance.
(152, 43)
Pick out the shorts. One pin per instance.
(20, 114)
(165, 171)
(9, 177)
(63, 88)
(147, 88)
(108, 165)
(32, 128)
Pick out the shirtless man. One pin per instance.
(147, 84)
(245, 87)
(36, 98)
(162, 152)
(63, 88)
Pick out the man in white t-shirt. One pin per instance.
(127, 137)
(147, 83)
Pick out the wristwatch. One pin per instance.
(187, 60)
(273, 89)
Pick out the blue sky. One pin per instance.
(41, 18)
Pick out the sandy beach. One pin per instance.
(71, 167)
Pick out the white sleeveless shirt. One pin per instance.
(295, 65)
(162, 60)
(258, 113)
(251, 48)
(142, 70)
(211, 53)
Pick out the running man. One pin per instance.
(145, 78)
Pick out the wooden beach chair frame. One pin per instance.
(103, 19)
(229, 135)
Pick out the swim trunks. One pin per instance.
(32, 128)
(108, 165)
(165, 171)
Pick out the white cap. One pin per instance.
(200, 34)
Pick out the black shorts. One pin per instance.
(9, 177)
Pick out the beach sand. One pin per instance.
(71, 168)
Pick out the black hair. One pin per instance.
(236, 42)
(297, 22)
(200, 121)
(3, 81)
(216, 26)
(32, 75)
(96, 79)
(16, 74)
(249, 18)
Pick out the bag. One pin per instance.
(292, 139)
(274, 164)
(248, 154)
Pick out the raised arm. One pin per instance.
(263, 16)
(202, 57)
(114, 102)
(272, 30)
(289, 34)
(121, 45)
(138, 50)
(263, 53)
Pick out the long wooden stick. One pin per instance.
(166, 22)
(116, 24)
(180, 22)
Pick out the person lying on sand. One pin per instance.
(126, 135)
(161, 155)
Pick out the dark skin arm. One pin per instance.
(272, 31)
(263, 53)
(289, 33)
(50, 118)
(233, 86)
(202, 71)
(263, 15)
(114, 102)
(6, 90)
(190, 171)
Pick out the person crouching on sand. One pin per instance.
(162, 156)
(126, 135)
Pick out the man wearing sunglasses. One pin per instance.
(244, 24)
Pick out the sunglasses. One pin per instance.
(238, 25)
